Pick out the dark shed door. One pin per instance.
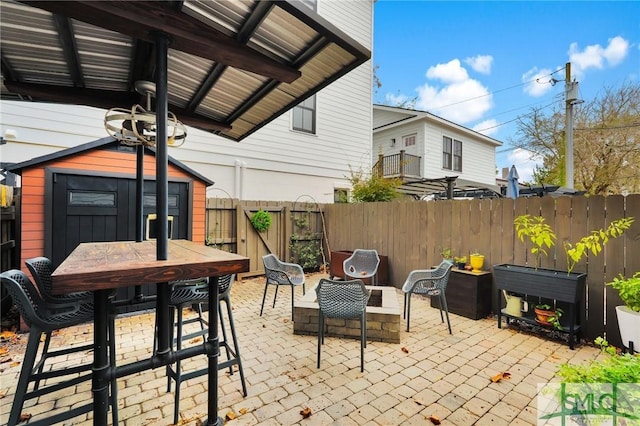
(93, 209)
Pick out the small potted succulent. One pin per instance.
(629, 313)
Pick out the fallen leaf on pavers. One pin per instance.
(197, 340)
(434, 420)
(405, 350)
(6, 334)
(305, 413)
(4, 351)
(2, 361)
(230, 415)
(24, 417)
(285, 320)
(199, 422)
(243, 411)
(500, 376)
(14, 364)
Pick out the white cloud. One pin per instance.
(487, 127)
(480, 63)
(451, 72)
(525, 162)
(537, 81)
(596, 56)
(456, 96)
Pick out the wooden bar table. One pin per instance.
(102, 267)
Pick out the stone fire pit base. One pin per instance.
(383, 317)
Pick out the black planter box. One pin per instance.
(546, 283)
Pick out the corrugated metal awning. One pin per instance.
(233, 65)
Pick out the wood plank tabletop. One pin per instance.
(108, 265)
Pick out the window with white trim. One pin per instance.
(409, 140)
(304, 116)
(451, 154)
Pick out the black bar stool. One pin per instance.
(189, 293)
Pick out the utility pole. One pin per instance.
(570, 95)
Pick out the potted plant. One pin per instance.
(476, 260)
(447, 254)
(548, 316)
(629, 313)
(461, 261)
(564, 286)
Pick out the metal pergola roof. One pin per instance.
(232, 66)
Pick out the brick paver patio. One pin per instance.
(430, 373)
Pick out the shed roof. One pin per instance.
(17, 168)
(233, 65)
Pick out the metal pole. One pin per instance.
(162, 162)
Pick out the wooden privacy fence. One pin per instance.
(412, 235)
(295, 235)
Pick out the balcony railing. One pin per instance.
(399, 165)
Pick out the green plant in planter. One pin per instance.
(628, 289)
(446, 253)
(542, 237)
(261, 220)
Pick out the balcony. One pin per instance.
(401, 165)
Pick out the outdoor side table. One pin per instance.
(101, 267)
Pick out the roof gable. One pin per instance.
(102, 143)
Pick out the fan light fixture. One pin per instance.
(137, 126)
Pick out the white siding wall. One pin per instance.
(279, 164)
(478, 157)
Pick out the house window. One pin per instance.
(340, 195)
(304, 116)
(457, 155)
(446, 153)
(409, 140)
(451, 154)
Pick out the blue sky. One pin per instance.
(476, 62)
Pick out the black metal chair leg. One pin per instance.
(264, 297)
(23, 382)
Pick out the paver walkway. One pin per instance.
(430, 373)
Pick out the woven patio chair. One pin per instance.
(344, 300)
(43, 317)
(280, 273)
(41, 269)
(428, 282)
(362, 264)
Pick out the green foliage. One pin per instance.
(306, 248)
(624, 368)
(373, 188)
(629, 290)
(446, 253)
(261, 220)
(542, 238)
(461, 259)
(595, 241)
(539, 233)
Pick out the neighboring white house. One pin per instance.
(432, 148)
(307, 151)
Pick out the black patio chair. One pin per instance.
(191, 294)
(345, 300)
(43, 318)
(41, 269)
(428, 282)
(280, 273)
